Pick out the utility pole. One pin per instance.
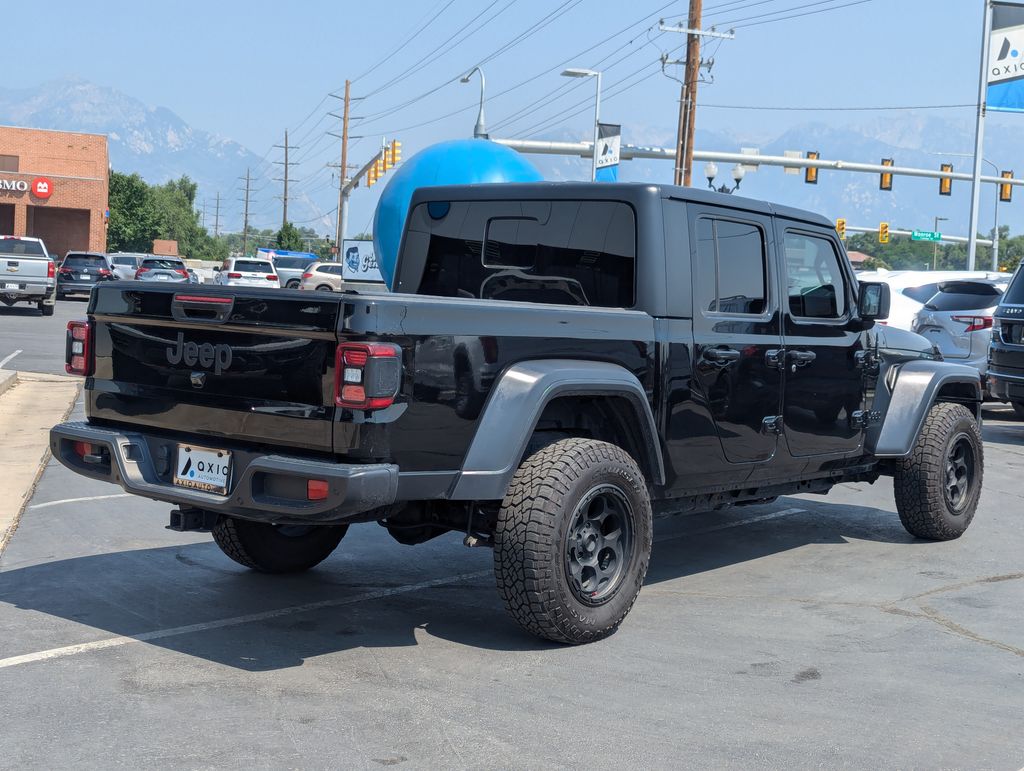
(287, 165)
(979, 138)
(245, 215)
(688, 91)
(343, 174)
(216, 218)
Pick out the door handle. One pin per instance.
(801, 358)
(722, 356)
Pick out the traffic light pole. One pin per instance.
(979, 139)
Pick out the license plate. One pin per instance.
(161, 276)
(12, 286)
(200, 468)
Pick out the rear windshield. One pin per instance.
(292, 263)
(964, 296)
(564, 252)
(166, 262)
(254, 266)
(83, 261)
(1015, 294)
(921, 293)
(18, 246)
(125, 261)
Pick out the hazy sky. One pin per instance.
(248, 70)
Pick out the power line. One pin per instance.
(418, 29)
(735, 25)
(838, 109)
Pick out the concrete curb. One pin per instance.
(8, 379)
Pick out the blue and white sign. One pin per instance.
(609, 144)
(1006, 59)
(358, 262)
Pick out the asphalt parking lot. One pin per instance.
(811, 632)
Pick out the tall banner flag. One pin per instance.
(1006, 58)
(609, 142)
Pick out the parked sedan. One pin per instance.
(957, 320)
(80, 271)
(240, 271)
(169, 269)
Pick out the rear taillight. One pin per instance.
(307, 275)
(78, 348)
(974, 323)
(51, 270)
(367, 375)
(64, 271)
(234, 275)
(140, 271)
(104, 272)
(271, 277)
(181, 272)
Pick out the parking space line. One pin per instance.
(160, 634)
(7, 358)
(46, 505)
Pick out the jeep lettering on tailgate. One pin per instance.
(206, 355)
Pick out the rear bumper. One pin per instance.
(1005, 387)
(267, 488)
(25, 291)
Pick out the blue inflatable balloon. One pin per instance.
(457, 162)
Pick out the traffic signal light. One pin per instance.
(885, 178)
(385, 158)
(396, 152)
(883, 232)
(372, 175)
(1005, 188)
(841, 227)
(811, 172)
(946, 183)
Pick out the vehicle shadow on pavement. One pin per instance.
(138, 592)
(1002, 427)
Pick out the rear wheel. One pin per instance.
(938, 485)
(293, 284)
(324, 288)
(276, 548)
(1018, 408)
(573, 540)
(46, 310)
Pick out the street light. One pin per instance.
(579, 73)
(711, 171)
(479, 132)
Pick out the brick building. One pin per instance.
(53, 185)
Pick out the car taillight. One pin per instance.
(78, 348)
(140, 271)
(51, 270)
(367, 375)
(271, 277)
(234, 275)
(307, 275)
(64, 271)
(974, 323)
(104, 272)
(181, 272)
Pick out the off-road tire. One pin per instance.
(920, 481)
(267, 548)
(46, 310)
(1018, 409)
(531, 539)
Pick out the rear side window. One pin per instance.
(559, 252)
(964, 296)
(921, 293)
(737, 252)
(84, 261)
(1015, 293)
(254, 266)
(292, 263)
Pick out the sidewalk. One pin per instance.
(30, 404)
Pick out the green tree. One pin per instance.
(288, 238)
(133, 223)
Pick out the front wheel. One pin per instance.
(1018, 409)
(573, 540)
(276, 548)
(938, 485)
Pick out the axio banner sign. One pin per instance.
(358, 262)
(1006, 58)
(609, 142)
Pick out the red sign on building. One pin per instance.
(42, 187)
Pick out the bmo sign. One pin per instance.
(41, 187)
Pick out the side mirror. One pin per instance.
(873, 304)
(216, 269)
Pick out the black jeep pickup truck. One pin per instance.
(557, 364)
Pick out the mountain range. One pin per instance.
(159, 145)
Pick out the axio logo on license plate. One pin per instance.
(203, 469)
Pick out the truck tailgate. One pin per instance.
(213, 362)
(20, 268)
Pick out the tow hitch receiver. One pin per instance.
(192, 520)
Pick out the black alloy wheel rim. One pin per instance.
(599, 544)
(959, 472)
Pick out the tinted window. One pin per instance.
(733, 270)
(292, 263)
(125, 261)
(18, 246)
(1015, 293)
(815, 279)
(166, 262)
(921, 293)
(964, 296)
(565, 252)
(84, 261)
(254, 266)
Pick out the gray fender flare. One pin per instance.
(516, 403)
(916, 388)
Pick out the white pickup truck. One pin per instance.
(27, 273)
